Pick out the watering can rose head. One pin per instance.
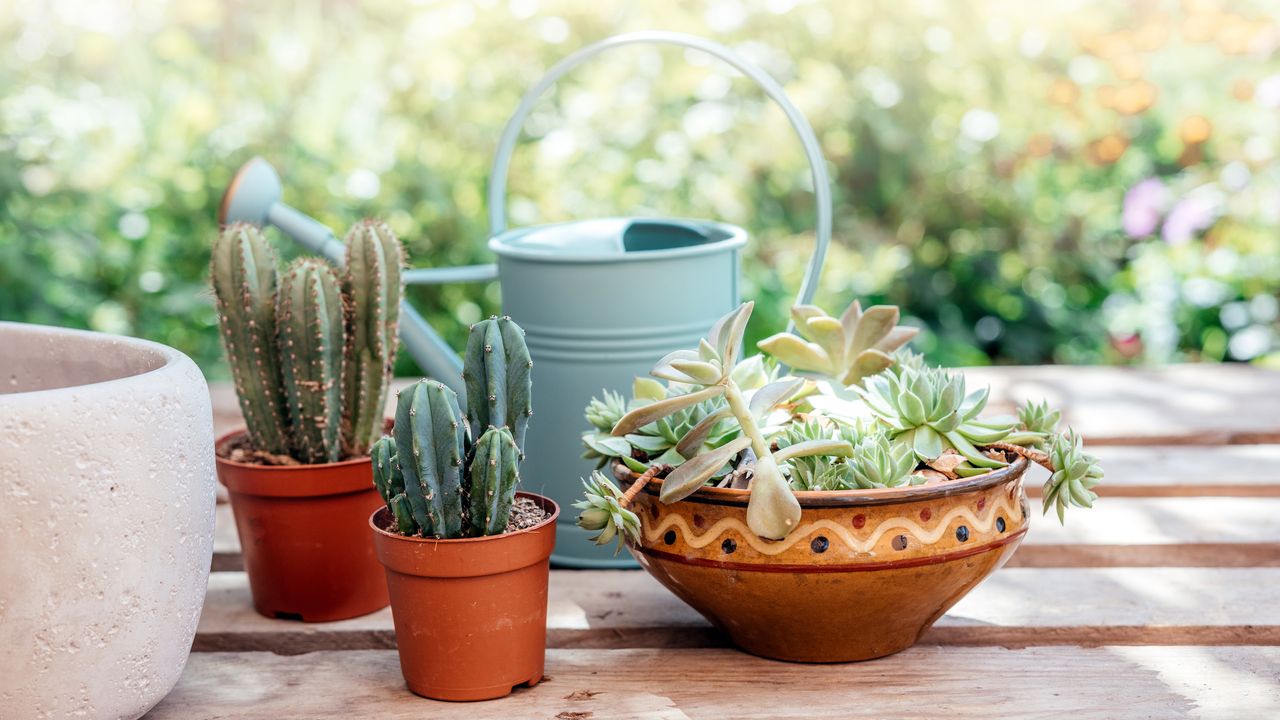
(861, 412)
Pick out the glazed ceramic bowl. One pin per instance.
(106, 520)
(863, 576)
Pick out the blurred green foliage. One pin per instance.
(981, 154)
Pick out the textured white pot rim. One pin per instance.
(164, 355)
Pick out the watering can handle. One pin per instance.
(818, 167)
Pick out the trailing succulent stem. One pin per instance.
(372, 286)
(311, 357)
(311, 338)
(244, 279)
(449, 487)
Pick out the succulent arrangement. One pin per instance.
(438, 482)
(856, 410)
(311, 350)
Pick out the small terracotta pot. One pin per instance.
(302, 535)
(470, 613)
(864, 574)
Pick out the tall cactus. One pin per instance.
(372, 287)
(431, 437)
(244, 279)
(494, 473)
(309, 321)
(496, 372)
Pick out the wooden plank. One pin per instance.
(923, 682)
(1182, 471)
(1199, 404)
(1116, 532)
(1153, 532)
(1013, 608)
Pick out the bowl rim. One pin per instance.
(161, 357)
(1012, 472)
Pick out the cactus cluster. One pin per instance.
(861, 413)
(310, 351)
(435, 479)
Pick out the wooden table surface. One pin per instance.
(1161, 602)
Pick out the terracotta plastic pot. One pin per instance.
(471, 613)
(863, 576)
(303, 537)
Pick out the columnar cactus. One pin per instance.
(433, 480)
(431, 441)
(372, 287)
(496, 371)
(312, 361)
(244, 281)
(494, 472)
(311, 338)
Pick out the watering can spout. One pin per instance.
(254, 196)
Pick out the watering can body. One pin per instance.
(598, 309)
(600, 300)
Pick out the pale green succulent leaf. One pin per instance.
(694, 473)
(927, 443)
(773, 511)
(645, 414)
(873, 326)
(830, 448)
(797, 353)
(699, 433)
(644, 388)
(703, 373)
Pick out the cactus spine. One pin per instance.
(431, 478)
(494, 473)
(496, 371)
(431, 438)
(244, 286)
(372, 287)
(311, 338)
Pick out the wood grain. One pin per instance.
(1013, 608)
(1198, 404)
(1042, 682)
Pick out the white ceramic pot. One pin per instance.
(106, 521)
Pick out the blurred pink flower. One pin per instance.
(1187, 218)
(1142, 206)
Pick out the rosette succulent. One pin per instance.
(928, 410)
(1075, 474)
(845, 351)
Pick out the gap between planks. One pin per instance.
(922, 682)
(1012, 608)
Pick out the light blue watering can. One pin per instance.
(600, 300)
